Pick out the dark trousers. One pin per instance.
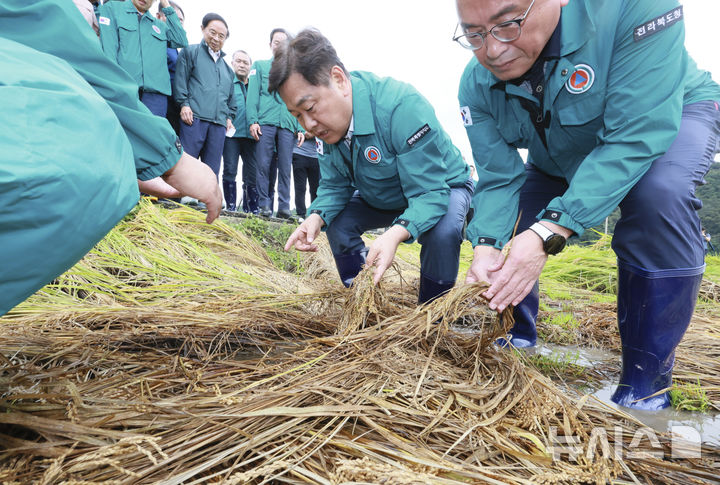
(173, 114)
(659, 228)
(440, 252)
(306, 171)
(278, 140)
(235, 149)
(204, 140)
(155, 102)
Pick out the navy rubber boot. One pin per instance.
(230, 192)
(431, 289)
(349, 265)
(524, 334)
(245, 199)
(654, 311)
(253, 206)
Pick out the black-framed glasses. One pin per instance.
(504, 32)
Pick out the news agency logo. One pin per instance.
(686, 443)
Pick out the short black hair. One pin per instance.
(276, 30)
(213, 16)
(310, 54)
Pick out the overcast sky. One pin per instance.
(409, 40)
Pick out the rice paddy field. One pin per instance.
(178, 352)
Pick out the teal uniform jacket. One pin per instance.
(615, 99)
(205, 85)
(139, 45)
(400, 157)
(240, 120)
(75, 138)
(264, 108)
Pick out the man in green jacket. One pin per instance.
(69, 179)
(205, 92)
(385, 161)
(613, 112)
(240, 144)
(272, 127)
(138, 42)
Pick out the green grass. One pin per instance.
(272, 237)
(557, 363)
(689, 397)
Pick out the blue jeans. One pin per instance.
(280, 140)
(234, 149)
(659, 228)
(440, 252)
(204, 140)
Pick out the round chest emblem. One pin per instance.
(372, 154)
(581, 79)
(156, 29)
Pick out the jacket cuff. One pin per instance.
(409, 226)
(171, 158)
(487, 241)
(562, 219)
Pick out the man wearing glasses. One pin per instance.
(613, 113)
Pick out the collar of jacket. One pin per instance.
(130, 8)
(577, 27)
(364, 122)
(205, 48)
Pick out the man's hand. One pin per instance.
(301, 138)
(302, 238)
(512, 278)
(255, 131)
(192, 177)
(159, 188)
(164, 3)
(186, 115)
(382, 250)
(484, 257)
(229, 127)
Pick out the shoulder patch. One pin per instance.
(653, 26)
(418, 135)
(466, 116)
(252, 72)
(319, 146)
(103, 20)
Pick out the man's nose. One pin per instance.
(493, 47)
(308, 122)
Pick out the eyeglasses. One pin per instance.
(218, 35)
(504, 32)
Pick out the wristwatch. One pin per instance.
(553, 243)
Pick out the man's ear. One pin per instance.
(340, 79)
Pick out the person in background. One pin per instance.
(205, 91)
(173, 110)
(306, 174)
(385, 161)
(613, 112)
(272, 126)
(88, 11)
(240, 144)
(137, 41)
(53, 63)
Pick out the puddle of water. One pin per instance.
(706, 424)
(585, 357)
